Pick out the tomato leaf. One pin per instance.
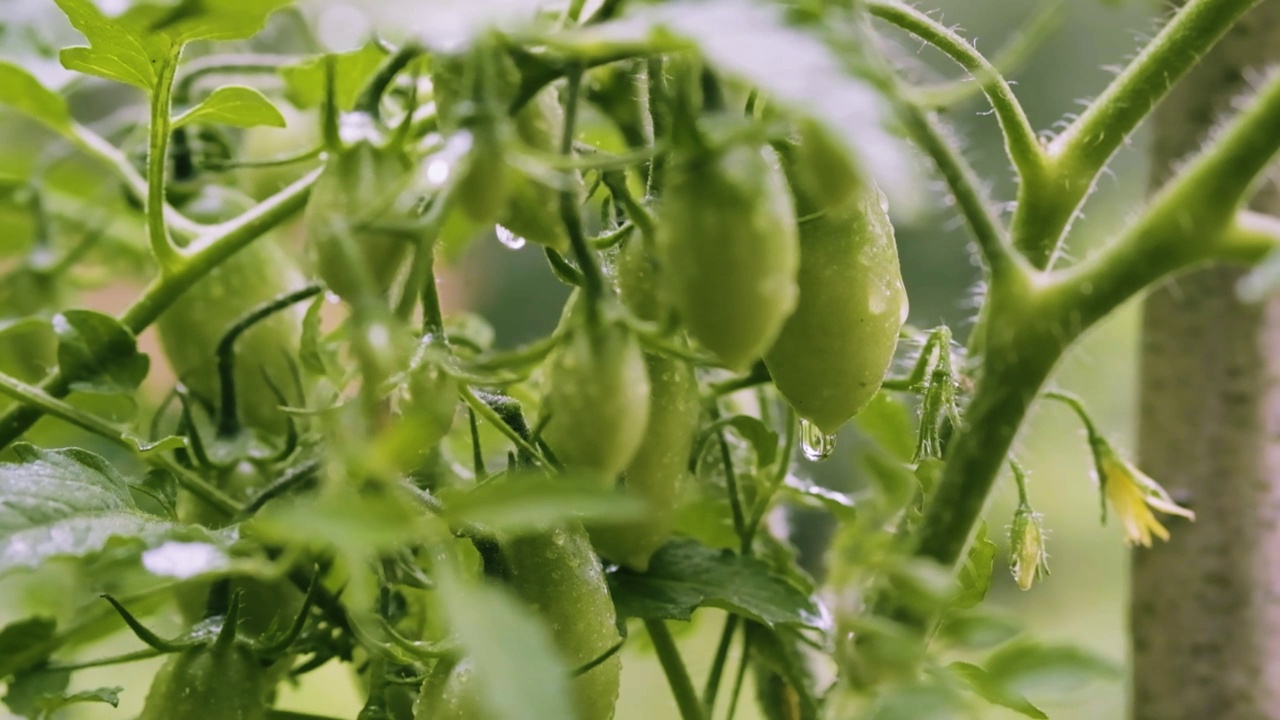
(51, 703)
(234, 105)
(985, 687)
(27, 689)
(99, 353)
(976, 630)
(72, 503)
(1029, 667)
(20, 90)
(25, 644)
(518, 670)
(520, 503)
(130, 47)
(304, 81)
(685, 575)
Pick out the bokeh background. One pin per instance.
(1083, 601)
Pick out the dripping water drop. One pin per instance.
(815, 444)
(508, 238)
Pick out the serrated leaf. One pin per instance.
(98, 353)
(71, 503)
(21, 91)
(975, 575)
(1029, 667)
(685, 575)
(518, 671)
(234, 105)
(131, 47)
(517, 503)
(51, 703)
(304, 81)
(19, 639)
(115, 51)
(982, 684)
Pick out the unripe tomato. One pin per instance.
(728, 249)
(559, 576)
(660, 467)
(448, 693)
(192, 327)
(300, 134)
(533, 208)
(208, 682)
(359, 219)
(638, 280)
(833, 352)
(598, 402)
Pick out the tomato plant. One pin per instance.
(327, 461)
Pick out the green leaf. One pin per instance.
(132, 47)
(23, 92)
(921, 700)
(234, 105)
(304, 81)
(685, 575)
(985, 687)
(516, 503)
(212, 19)
(19, 639)
(358, 524)
(804, 491)
(1028, 667)
(517, 669)
(99, 353)
(51, 703)
(116, 51)
(761, 438)
(977, 630)
(887, 422)
(27, 689)
(779, 657)
(975, 574)
(71, 503)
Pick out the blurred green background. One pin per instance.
(1084, 600)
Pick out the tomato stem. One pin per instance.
(676, 672)
(592, 278)
(166, 255)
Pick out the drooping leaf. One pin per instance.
(1029, 667)
(975, 575)
(72, 503)
(518, 503)
(982, 684)
(25, 644)
(517, 669)
(304, 81)
(54, 702)
(21, 91)
(99, 353)
(685, 575)
(234, 105)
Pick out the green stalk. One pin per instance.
(673, 666)
(166, 254)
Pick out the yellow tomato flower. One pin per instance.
(1133, 496)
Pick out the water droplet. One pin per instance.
(815, 444)
(508, 238)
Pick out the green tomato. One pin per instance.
(359, 219)
(559, 576)
(209, 682)
(660, 468)
(192, 327)
(638, 280)
(729, 250)
(833, 352)
(449, 693)
(598, 402)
